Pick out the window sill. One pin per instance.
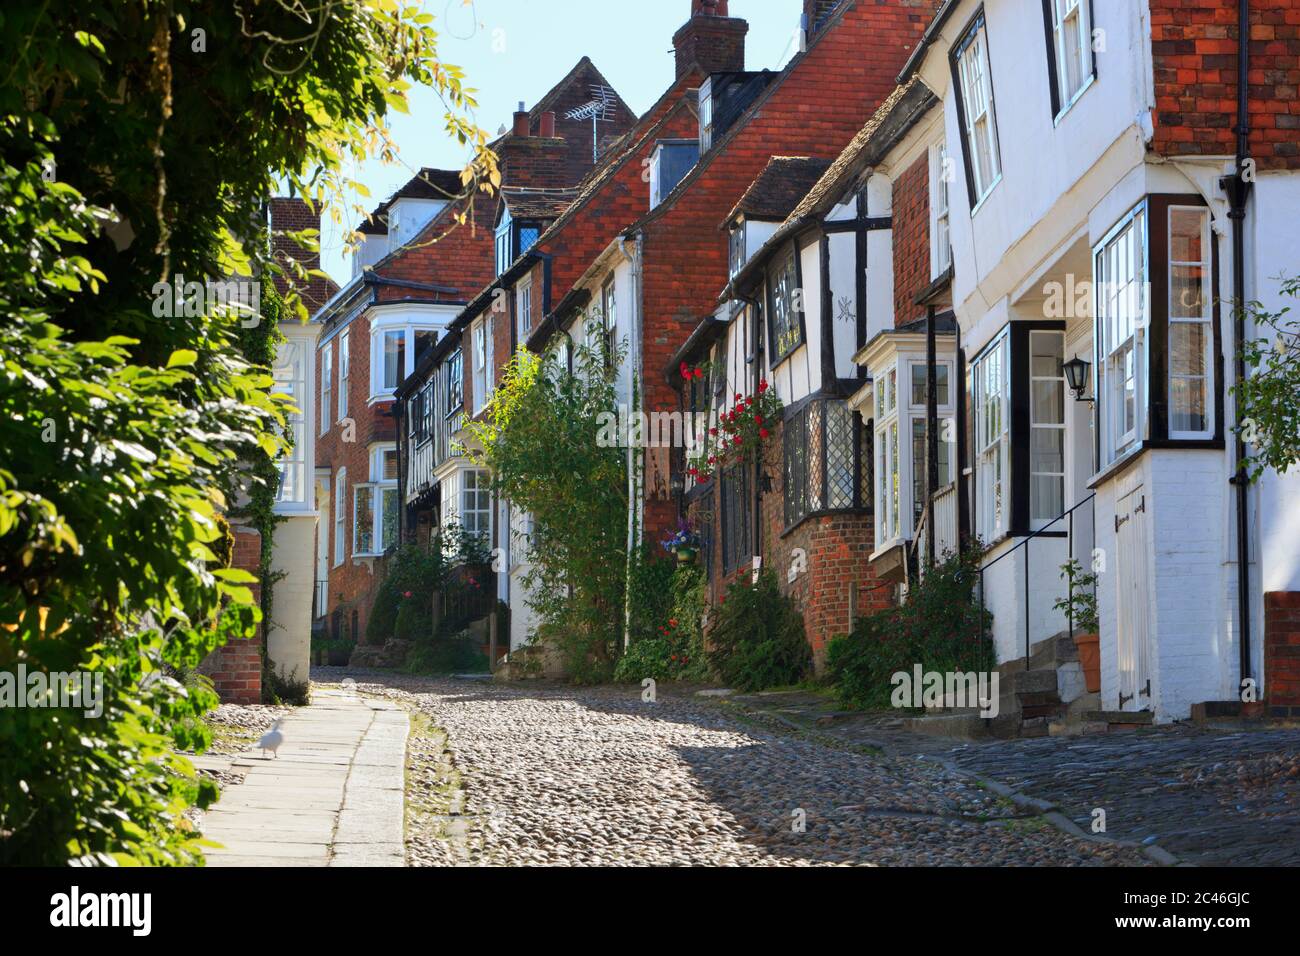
(1088, 84)
(376, 399)
(974, 210)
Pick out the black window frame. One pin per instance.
(1058, 108)
(455, 382)
(735, 500)
(967, 37)
(791, 255)
(799, 502)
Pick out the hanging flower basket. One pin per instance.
(683, 542)
(739, 433)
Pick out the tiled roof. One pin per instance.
(428, 183)
(779, 187)
(537, 203)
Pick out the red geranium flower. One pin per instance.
(713, 431)
(762, 387)
(739, 397)
(672, 622)
(762, 433)
(738, 440)
(758, 419)
(699, 373)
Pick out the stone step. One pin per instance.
(1143, 717)
(1047, 654)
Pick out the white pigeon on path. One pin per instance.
(272, 739)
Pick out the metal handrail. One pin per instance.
(1025, 544)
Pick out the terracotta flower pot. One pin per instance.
(1089, 646)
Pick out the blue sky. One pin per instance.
(514, 50)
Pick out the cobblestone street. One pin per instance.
(555, 775)
(1210, 796)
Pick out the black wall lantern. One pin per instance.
(1076, 374)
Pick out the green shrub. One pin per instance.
(381, 625)
(414, 620)
(937, 626)
(461, 654)
(758, 638)
(668, 646)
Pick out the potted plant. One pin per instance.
(1080, 603)
(683, 542)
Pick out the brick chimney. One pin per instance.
(521, 121)
(546, 127)
(711, 39)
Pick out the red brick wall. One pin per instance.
(815, 111)
(911, 212)
(1282, 653)
(350, 584)
(1194, 45)
(236, 668)
(295, 215)
(835, 549)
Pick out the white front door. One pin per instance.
(1131, 575)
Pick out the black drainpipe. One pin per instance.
(1238, 189)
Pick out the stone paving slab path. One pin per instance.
(333, 796)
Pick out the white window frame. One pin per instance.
(916, 412)
(480, 350)
(980, 111)
(379, 392)
(1121, 265)
(345, 369)
(890, 517)
(1039, 519)
(478, 483)
(524, 305)
(290, 375)
(1068, 53)
(379, 489)
(940, 212)
(326, 387)
(991, 378)
(1205, 320)
(340, 516)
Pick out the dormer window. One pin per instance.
(513, 239)
(669, 164)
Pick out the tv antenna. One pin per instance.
(599, 110)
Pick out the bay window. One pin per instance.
(394, 358)
(976, 110)
(823, 460)
(1191, 323)
(1157, 334)
(476, 505)
(900, 441)
(1047, 393)
(290, 374)
(1122, 315)
(394, 351)
(990, 376)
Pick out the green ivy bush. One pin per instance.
(126, 161)
(758, 639)
(938, 626)
(540, 442)
(668, 600)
